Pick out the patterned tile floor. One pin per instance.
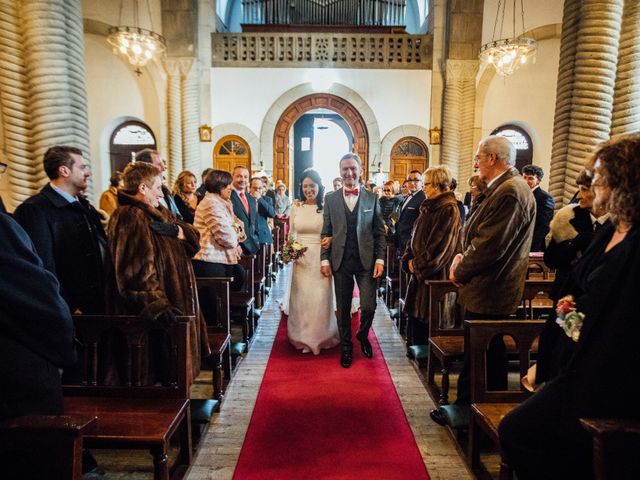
(220, 447)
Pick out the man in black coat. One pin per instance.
(148, 155)
(67, 231)
(245, 208)
(265, 211)
(409, 210)
(544, 206)
(35, 329)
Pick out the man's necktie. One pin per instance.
(244, 202)
(353, 192)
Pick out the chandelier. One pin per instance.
(508, 54)
(139, 45)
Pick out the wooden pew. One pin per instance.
(259, 278)
(616, 443)
(133, 415)
(537, 268)
(488, 407)
(243, 301)
(39, 446)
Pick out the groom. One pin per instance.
(353, 246)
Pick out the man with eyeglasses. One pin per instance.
(66, 230)
(151, 156)
(3, 168)
(409, 210)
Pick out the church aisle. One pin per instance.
(220, 448)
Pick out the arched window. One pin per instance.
(521, 140)
(409, 153)
(129, 137)
(231, 151)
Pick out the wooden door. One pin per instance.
(231, 151)
(408, 154)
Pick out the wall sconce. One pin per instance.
(205, 133)
(435, 136)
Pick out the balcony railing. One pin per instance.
(334, 50)
(364, 13)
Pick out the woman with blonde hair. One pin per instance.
(184, 194)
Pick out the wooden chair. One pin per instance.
(616, 443)
(488, 407)
(133, 415)
(446, 344)
(220, 333)
(41, 446)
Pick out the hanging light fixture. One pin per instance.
(139, 45)
(508, 54)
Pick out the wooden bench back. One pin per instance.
(442, 304)
(536, 292)
(95, 335)
(248, 263)
(538, 267)
(481, 332)
(221, 288)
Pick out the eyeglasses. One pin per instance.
(3, 167)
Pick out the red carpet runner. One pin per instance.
(314, 419)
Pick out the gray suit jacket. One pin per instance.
(370, 229)
(496, 244)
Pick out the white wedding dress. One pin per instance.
(310, 302)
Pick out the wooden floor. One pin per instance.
(221, 446)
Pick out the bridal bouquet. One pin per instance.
(292, 250)
(569, 318)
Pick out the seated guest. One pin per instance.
(533, 174)
(150, 250)
(389, 202)
(434, 242)
(184, 194)
(201, 190)
(474, 196)
(337, 183)
(265, 211)
(571, 232)
(542, 438)
(109, 198)
(36, 334)
(220, 235)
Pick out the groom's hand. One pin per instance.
(378, 269)
(325, 270)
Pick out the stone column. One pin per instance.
(593, 86)
(190, 116)
(458, 117)
(174, 107)
(626, 98)
(564, 91)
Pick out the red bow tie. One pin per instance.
(354, 192)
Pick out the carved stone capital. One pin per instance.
(462, 69)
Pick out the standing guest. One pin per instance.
(409, 210)
(404, 189)
(109, 198)
(337, 183)
(151, 252)
(475, 195)
(533, 174)
(268, 191)
(220, 235)
(184, 195)
(389, 202)
(201, 190)
(148, 155)
(66, 230)
(265, 211)
(282, 207)
(542, 437)
(435, 240)
(246, 209)
(453, 187)
(36, 334)
(491, 271)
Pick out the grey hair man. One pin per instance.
(496, 243)
(151, 156)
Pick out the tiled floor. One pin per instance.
(221, 446)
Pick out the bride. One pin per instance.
(310, 302)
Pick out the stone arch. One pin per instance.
(287, 99)
(239, 130)
(402, 131)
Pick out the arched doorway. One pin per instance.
(281, 148)
(521, 140)
(128, 138)
(408, 153)
(231, 151)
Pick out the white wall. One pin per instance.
(397, 97)
(527, 98)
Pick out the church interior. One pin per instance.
(277, 87)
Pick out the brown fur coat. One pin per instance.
(152, 273)
(434, 242)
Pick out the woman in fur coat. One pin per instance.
(150, 251)
(434, 242)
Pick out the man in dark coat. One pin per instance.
(66, 230)
(148, 155)
(544, 206)
(491, 270)
(246, 209)
(409, 210)
(265, 211)
(35, 329)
